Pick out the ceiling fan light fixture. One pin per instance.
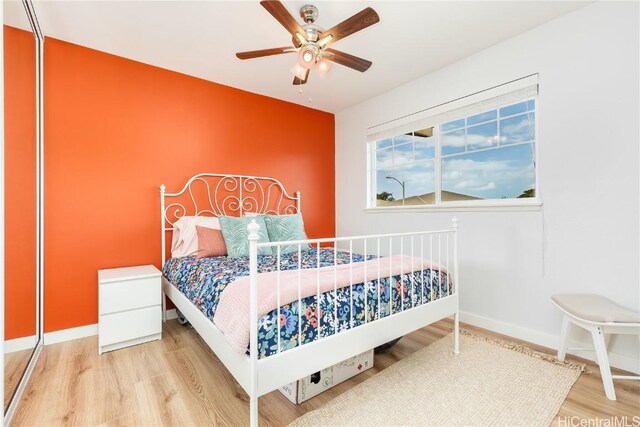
(323, 67)
(307, 55)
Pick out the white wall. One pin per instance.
(586, 236)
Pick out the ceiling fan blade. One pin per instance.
(282, 15)
(357, 22)
(297, 81)
(264, 52)
(347, 60)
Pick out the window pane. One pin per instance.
(502, 173)
(403, 154)
(482, 117)
(384, 143)
(452, 142)
(424, 144)
(401, 139)
(418, 180)
(482, 136)
(384, 158)
(517, 129)
(456, 124)
(520, 107)
(425, 148)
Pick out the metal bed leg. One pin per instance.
(456, 333)
(253, 411)
(164, 307)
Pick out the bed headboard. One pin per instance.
(212, 194)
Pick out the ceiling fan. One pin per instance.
(311, 41)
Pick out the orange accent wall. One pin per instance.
(20, 183)
(116, 129)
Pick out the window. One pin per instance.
(481, 154)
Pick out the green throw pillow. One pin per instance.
(284, 228)
(235, 234)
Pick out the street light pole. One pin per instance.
(402, 184)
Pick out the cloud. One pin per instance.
(520, 130)
(384, 158)
(487, 178)
(474, 140)
(473, 185)
(455, 139)
(388, 158)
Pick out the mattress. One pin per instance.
(204, 280)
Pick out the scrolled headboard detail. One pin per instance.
(211, 194)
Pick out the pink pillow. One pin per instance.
(210, 242)
(184, 241)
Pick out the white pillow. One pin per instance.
(185, 238)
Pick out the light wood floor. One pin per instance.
(14, 365)
(178, 381)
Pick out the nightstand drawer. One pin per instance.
(129, 294)
(127, 325)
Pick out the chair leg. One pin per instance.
(564, 338)
(607, 338)
(603, 362)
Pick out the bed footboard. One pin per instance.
(422, 272)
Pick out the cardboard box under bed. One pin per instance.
(308, 387)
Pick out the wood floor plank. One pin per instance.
(14, 366)
(179, 381)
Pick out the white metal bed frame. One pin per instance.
(237, 194)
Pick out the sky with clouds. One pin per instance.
(495, 165)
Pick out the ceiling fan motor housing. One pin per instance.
(309, 13)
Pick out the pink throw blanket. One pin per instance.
(232, 314)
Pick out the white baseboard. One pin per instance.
(19, 344)
(617, 360)
(70, 334)
(82, 332)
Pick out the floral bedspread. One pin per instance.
(203, 280)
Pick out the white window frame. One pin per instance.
(434, 116)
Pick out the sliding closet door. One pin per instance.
(21, 296)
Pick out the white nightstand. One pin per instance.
(130, 307)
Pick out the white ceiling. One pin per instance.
(200, 38)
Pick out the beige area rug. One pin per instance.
(487, 384)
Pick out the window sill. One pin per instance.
(461, 207)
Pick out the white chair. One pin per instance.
(602, 317)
